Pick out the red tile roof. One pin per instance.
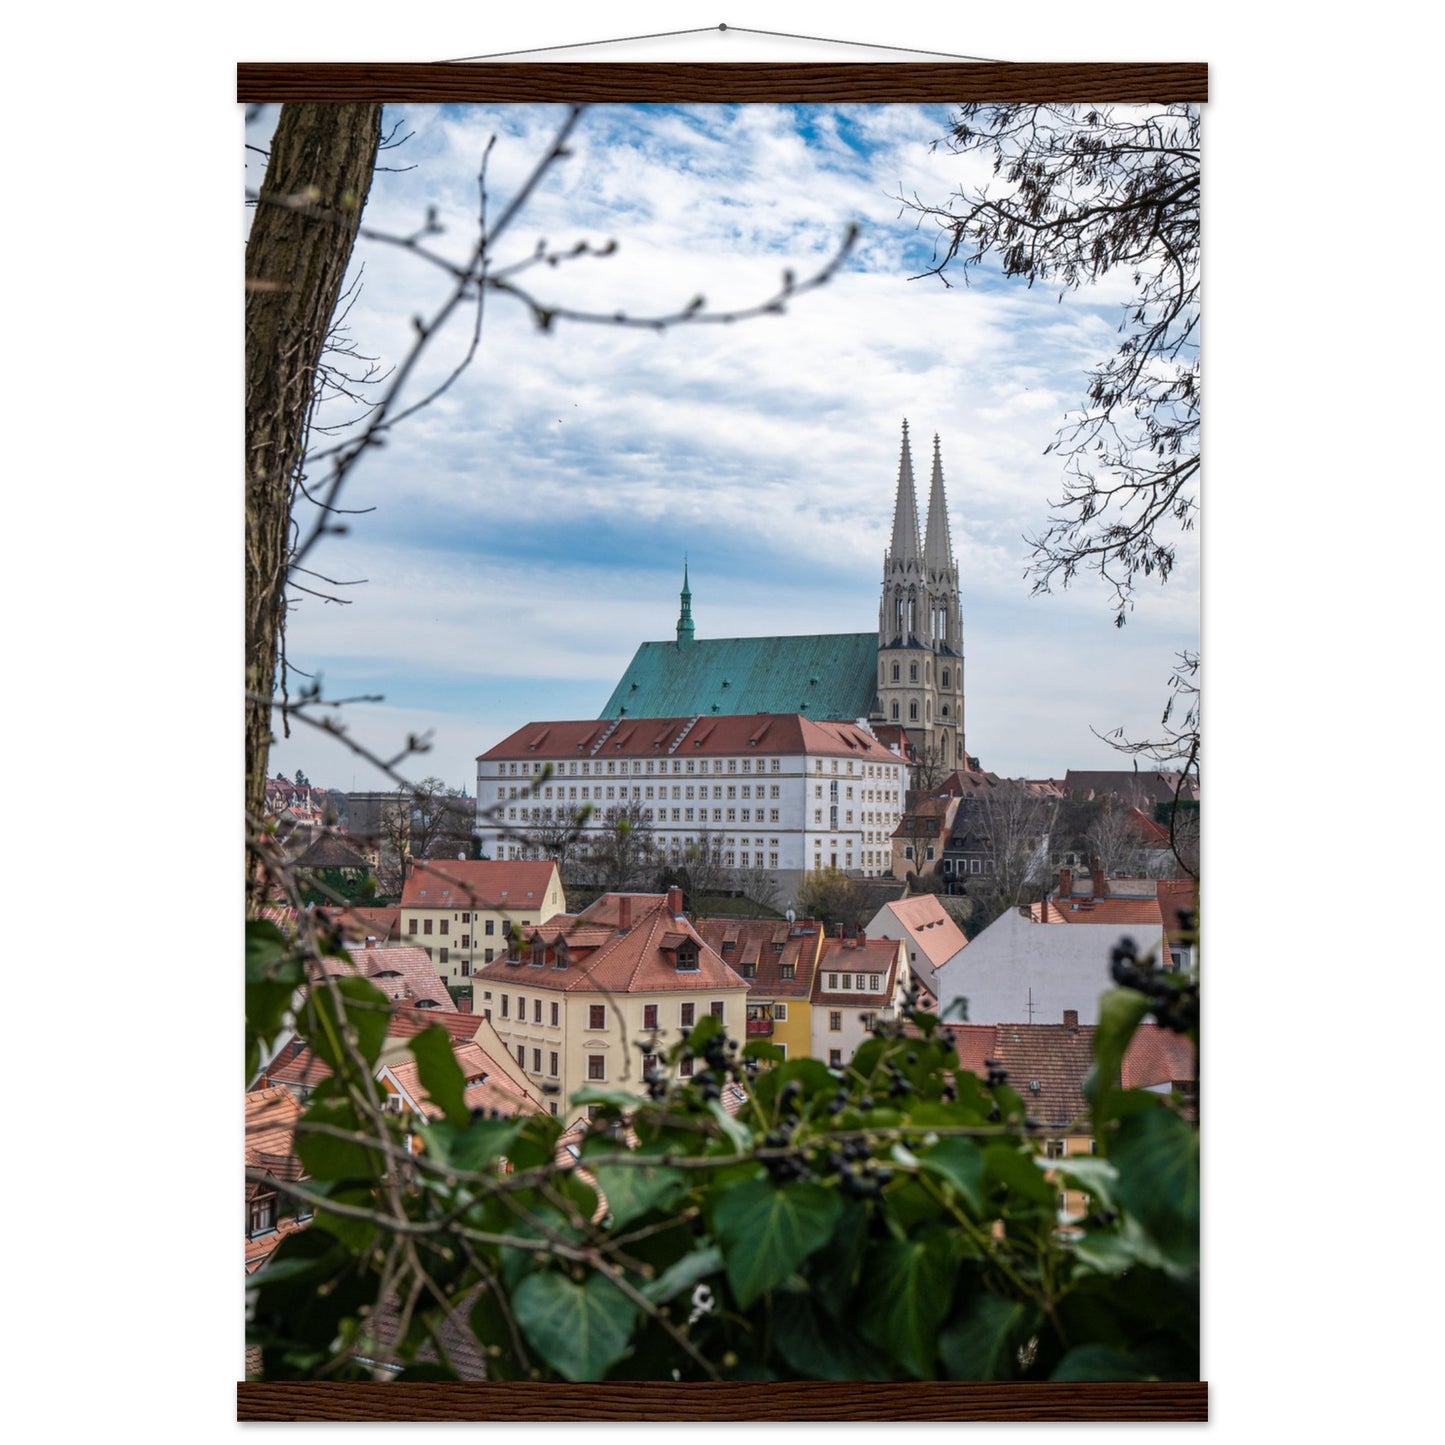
(401, 972)
(851, 955)
(1141, 911)
(478, 883)
(359, 924)
(784, 733)
(928, 926)
(271, 1115)
(1157, 1056)
(755, 947)
(638, 961)
(487, 1086)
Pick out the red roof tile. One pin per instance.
(783, 733)
(402, 972)
(478, 883)
(928, 926)
(756, 947)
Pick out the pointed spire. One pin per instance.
(684, 618)
(938, 545)
(905, 509)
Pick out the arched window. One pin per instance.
(945, 710)
(913, 672)
(912, 614)
(913, 712)
(947, 676)
(895, 672)
(895, 712)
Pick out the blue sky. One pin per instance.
(528, 530)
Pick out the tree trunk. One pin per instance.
(307, 215)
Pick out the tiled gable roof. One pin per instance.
(401, 972)
(357, 924)
(691, 736)
(478, 883)
(852, 955)
(271, 1115)
(1143, 912)
(755, 945)
(327, 851)
(641, 960)
(487, 1086)
(929, 929)
(1157, 1056)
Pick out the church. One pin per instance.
(905, 680)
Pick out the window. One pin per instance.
(466, 940)
(847, 983)
(554, 1015)
(686, 957)
(895, 672)
(261, 1217)
(488, 958)
(521, 1009)
(780, 1012)
(835, 1058)
(506, 1005)
(596, 1066)
(649, 1064)
(536, 1061)
(1054, 1149)
(552, 1064)
(536, 1010)
(491, 927)
(445, 955)
(787, 970)
(426, 925)
(835, 1021)
(913, 712)
(522, 1055)
(466, 918)
(833, 980)
(466, 968)
(689, 1012)
(446, 925)
(649, 1016)
(873, 982)
(411, 925)
(597, 1016)
(685, 1068)
(716, 1008)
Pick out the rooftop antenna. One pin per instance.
(1031, 1005)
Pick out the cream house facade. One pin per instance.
(461, 912)
(578, 998)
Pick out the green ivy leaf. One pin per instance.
(814, 1347)
(364, 1010)
(1157, 1155)
(908, 1284)
(766, 1233)
(328, 1157)
(982, 1340)
(273, 974)
(960, 1162)
(1098, 1362)
(684, 1274)
(581, 1330)
(482, 1144)
(1121, 1011)
(440, 1074)
(1097, 1177)
(634, 1190)
(1005, 1166)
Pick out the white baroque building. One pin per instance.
(776, 791)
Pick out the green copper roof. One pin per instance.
(822, 677)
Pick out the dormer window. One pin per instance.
(261, 1217)
(686, 957)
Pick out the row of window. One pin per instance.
(444, 927)
(945, 676)
(638, 767)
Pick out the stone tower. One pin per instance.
(920, 628)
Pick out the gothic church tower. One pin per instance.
(920, 628)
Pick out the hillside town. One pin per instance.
(787, 834)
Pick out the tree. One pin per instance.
(558, 835)
(1008, 823)
(308, 211)
(832, 897)
(758, 885)
(621, 854)
(1088, 191)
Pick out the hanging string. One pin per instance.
(714, 30)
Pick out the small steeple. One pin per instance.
(938, 545)
(905, 510)
(684, 618)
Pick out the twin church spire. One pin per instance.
(920, 628)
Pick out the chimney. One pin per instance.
(1100, 887)
(841, 927)
(1066, 882)
(371, 940)
(464, 1003)
(624, 912)
(1071, 1020)
(674, 901)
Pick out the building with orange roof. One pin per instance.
(597, 999)
(777, 959)
(857, 979)
(404, 974)
(927, 930)
(783, 792)
(461, 910)
(270, 1124)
